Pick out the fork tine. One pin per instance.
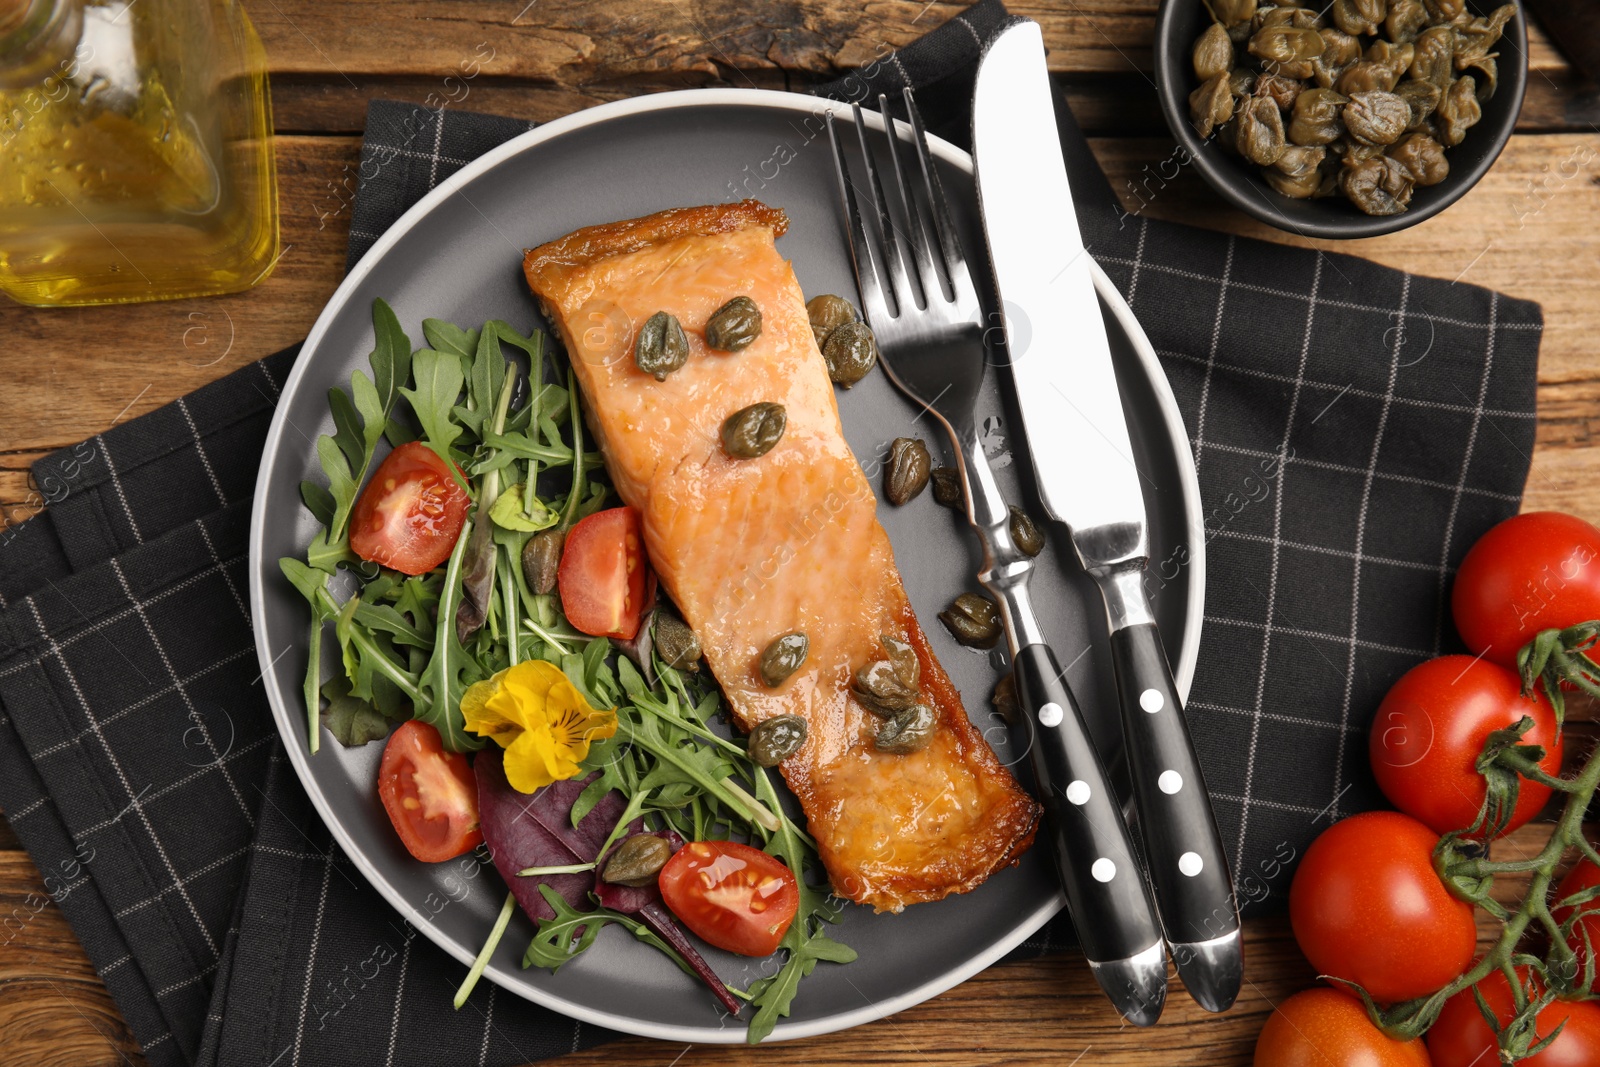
(904, 298)
(927, 273)
(949, 246)
(861, 251)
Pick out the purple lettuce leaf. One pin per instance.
(536, 830)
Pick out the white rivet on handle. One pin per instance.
(1170, 782)
(1078, 793)
(1051, 715)
(1191, 864)
(1103, 870)
(1152, 701)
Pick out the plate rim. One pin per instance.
(761, 99)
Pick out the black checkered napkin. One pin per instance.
(1354, 429)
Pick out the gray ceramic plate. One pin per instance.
(456, 255)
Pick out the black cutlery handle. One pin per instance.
(1106, 892)
(1182, 846)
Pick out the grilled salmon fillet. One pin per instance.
(751, 549)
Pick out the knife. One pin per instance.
(1077, 437)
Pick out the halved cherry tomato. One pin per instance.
(1326, 1028)
(411, 512)
(1431, 728)
(1584, 876)
(732, 896)
(1366, 906)
(1533, 572)
(1461, 1038)
(602, 574)
(430, 794)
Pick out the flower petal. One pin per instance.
(479, 707)
(542, 721)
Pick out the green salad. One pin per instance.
(498, 629)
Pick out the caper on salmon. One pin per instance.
(753, 431)
(880, 690)
(973, 620)
(888, 686)
(909, 731)
(734, 325)
(903, 658)
(908, 470)
(661, 347)
(637, 861)
(850, 352)
(783, 657)
(776, 739)
(677, 644)
(827, 313)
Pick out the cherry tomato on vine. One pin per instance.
(411, 512)
(1461, 1038)
(1366, 906)
(732, 896)
(1326, 1028)
(1431, 728)
(1532, 572)
(602, 574)
(430, 794)
(1584, 876)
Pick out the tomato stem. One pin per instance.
(1411, 1019)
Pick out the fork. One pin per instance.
(932, 349)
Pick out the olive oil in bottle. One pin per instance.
(135, 151)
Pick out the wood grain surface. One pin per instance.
(1531, 228)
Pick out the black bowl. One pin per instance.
(1180, 22)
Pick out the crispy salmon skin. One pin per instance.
(751, 549)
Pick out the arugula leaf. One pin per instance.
(352, 721)
(572, 931)
(439, 380)
(313, 585)
(374, 416)
(318, 501)
(532, 344)
(326, 552)
(773, 997)
(416, 601)
(346, 456)
(597, 674)
(385, 619)
(524, 447)
(442, 679)
(806, 942)
(383, 587)
(389, 700)
(487, 951)
(347, 426)
(342, 484)
(488, 371)
(391, 359)
(448, 337)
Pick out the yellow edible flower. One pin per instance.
(539, 718)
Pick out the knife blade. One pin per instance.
(1077, 436)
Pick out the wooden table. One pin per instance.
(1528, 229)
